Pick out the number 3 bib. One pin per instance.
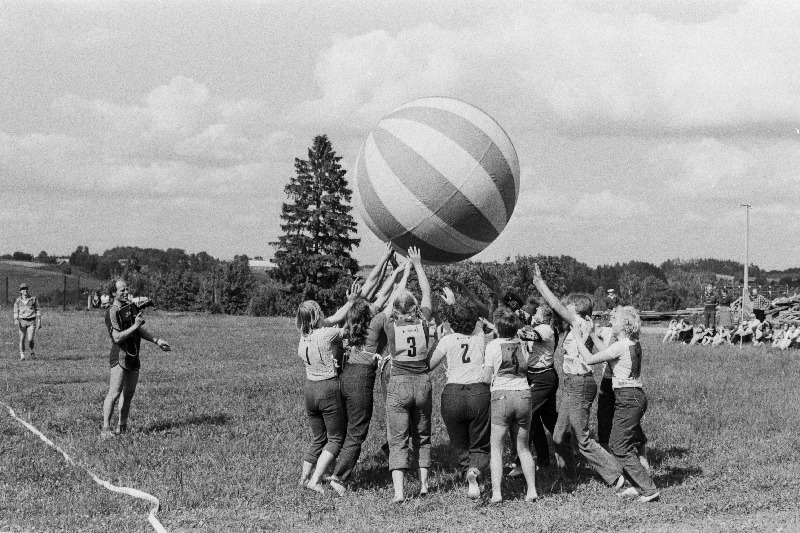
(410, 342)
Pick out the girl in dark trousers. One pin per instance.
(320, 349)
(466, 399)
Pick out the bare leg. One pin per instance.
(423, 481)
(306, 474)
(21, 342)
(496, 461)
(397, 481)
(129, 382)
(528, 464)
(114, 390)
(31, 334)
(324, 461)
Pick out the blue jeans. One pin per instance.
(605, 411)
(465, 411)
(357, 385)
(409, 406)
(627, 436)
(573, 416)
(326, 418)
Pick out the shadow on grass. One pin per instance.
(668, 475)
(202, 420)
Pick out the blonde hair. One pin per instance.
(628, 319)
(405, 303)
(308, 316)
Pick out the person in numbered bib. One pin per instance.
(578, 393)
(320, 349)
(404, 336)
(506, 368)
(27, 318)
(466, 398)
(624, 357)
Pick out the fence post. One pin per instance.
(64, 295)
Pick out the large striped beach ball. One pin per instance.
(438, 174)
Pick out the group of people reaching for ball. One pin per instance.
(500, 379)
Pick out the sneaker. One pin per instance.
(106, 434)
(474, 491)
(619, 483)
(337, 486)
(33, 354)
(650, 497)
(630, 492)
(515, 472)
(22, 356)
(121, 430)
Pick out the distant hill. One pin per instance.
(45, 280)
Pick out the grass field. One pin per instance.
(217, 433)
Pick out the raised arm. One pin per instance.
(551, 298)
(400, 286)
(339, 316)
(483, 310)
(386, 289)
(416, 259)
(376, 274)
(491, 281)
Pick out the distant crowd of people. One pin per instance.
(721, 327)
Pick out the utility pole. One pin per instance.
(745, 290)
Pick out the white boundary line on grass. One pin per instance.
(122, 490)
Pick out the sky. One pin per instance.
(640, 126)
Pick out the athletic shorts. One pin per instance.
(511, 407)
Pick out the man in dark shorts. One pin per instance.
(124, 322)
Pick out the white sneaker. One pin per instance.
(22, 356)
(474, 491)
(630, 492)
(515, 472)
(650, 497)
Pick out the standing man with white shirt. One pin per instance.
(27, 318)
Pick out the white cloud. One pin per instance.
(703, 165)
(582, 70)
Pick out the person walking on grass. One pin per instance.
(578, 392)
(466, 399)
(403, 336)
(506, 368)
(624, 357)
(320, 349)
(27, 318)
(124, 323)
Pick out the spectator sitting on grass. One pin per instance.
(789, 337)
(762, 334)
(711, 333)
(723, 336)
(779, 335)
(672, 331)
(698, 333)
(685, 332)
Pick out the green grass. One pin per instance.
(218, 431)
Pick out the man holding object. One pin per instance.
(124, 322)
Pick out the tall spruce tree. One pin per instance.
(313, 254)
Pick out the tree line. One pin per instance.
(313, 258)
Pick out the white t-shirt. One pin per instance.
(509, 361)
(573, 364)
(626, 365)
(463, 357)
(320, 350)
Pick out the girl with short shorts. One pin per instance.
(624, 357)
(320, 349)
(505, 368)
(466, 398)
(404, 336)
